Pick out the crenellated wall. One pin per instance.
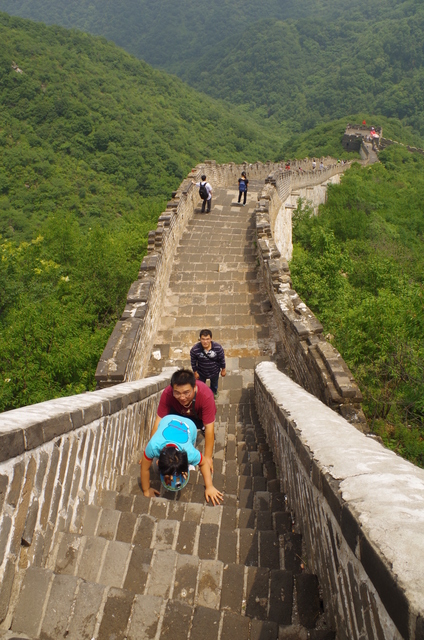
(359, 507)
(317, 366)
(55, 457)
(127, 352)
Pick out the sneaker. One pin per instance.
(216, 395)
(191, 467)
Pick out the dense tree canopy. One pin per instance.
(92, 142)
(299, 63)
(360, 266)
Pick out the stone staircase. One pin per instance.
(175, 568)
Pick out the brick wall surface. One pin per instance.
(316, 364)
(54, 458)
(361, 509)
(127, 352)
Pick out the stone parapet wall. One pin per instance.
(127, 352)
(386, 142)
(361, 507)
(54, 458)
(317, 366)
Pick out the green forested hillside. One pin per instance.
(360, 266)
(313, 70)
(92, 142)
(298, 63)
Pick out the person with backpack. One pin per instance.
(243, 182)
(205, 192)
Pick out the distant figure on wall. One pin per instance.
(364, 122)
(205, 192)
(314, 164)
(243, 182)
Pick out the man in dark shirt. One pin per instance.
(207, 360)
(186, 396)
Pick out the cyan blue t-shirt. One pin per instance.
(177, 431)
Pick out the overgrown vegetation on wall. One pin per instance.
(359, 265)
(92, 143)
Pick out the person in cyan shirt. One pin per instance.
(173, 444)
(192, 399)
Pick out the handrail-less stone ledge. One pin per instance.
(317, 366)
(127, 352)
(55, 458)
(361, 507)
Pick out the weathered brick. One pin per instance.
(108, 523)
(185, 579)
(205, 624)
(144, 532)
(161, 573)
(48, 489)
(248, 547)
(247, 519)
(208, 589)
(165, 533)
(138, 570)
(235, 626)
(126, 527)
(227, 547)
(67, 554)
(87, 604)
(232, 587)
(29, 611)
(269, 550)
(186, 538)
(144, 618)
(15, 486)
(257, 592)
(281, 597)
(91, 559)
(293, 552)
(208, 541)
(59, 607)
(116, 614)
(113, 570)
(176, 621)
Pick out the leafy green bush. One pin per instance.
(359, 265)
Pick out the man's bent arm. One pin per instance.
(209, 442)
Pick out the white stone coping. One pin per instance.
(383, 491)
(26, 428)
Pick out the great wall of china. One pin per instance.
(310, 498)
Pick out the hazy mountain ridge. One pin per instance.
(298, 62)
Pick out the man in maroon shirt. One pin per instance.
(188, 397)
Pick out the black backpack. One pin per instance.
(203, 192)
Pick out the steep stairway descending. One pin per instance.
(176, 568)
(173, 567)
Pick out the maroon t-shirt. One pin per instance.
(203, 408)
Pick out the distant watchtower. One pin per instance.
(355, 134)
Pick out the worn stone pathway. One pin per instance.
(174, 568)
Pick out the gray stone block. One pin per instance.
(161, 573)
(185, 579)
(209, 584)
(232, 587)
(176, 621)
(29, 610)
(144, 618)
(116, 614)
(114, 566)
(205, 624)
(59, 607)
(87, 607)
(235, 626)
(108, 523)
(92, 558)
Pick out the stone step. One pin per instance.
(222, 533)
(181, 599)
